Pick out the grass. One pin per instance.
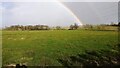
(39, 48)
(0, 48)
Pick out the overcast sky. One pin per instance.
(56, 13)
(95, 12)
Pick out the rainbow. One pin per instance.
(65, 7)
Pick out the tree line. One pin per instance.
(74, 26)
(28, 27)
(38, 27)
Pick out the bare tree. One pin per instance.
(75, 26)
(58, 27)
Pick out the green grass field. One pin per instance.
(35, 48)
